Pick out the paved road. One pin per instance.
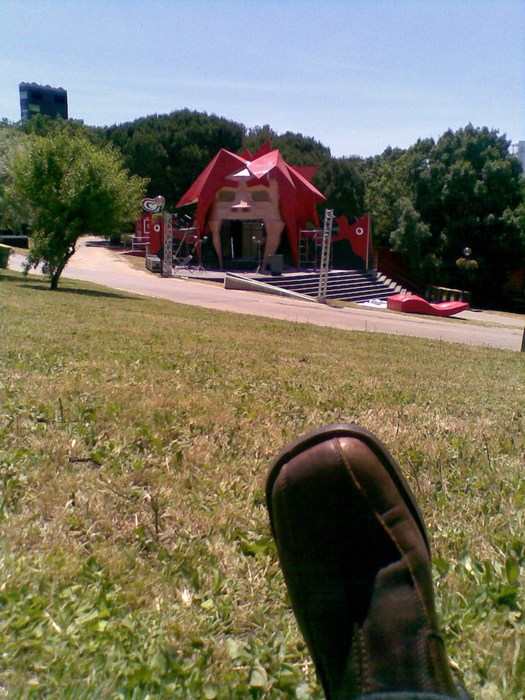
(95, 263)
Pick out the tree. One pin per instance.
(470, 193)
(436, 198)
(64, 186)
(295, 148)
(342, 182)
(172, 149)
(386, 184)
(10, 139)
(411, 238)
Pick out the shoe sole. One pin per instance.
(346, 430)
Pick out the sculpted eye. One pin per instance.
(226, 196)
(260, 195)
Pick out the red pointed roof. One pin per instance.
(211, 178)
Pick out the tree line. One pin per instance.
(454, 207)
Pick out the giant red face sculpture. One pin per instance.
(261, 187)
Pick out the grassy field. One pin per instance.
(135, 436)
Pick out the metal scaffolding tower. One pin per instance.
(167, 263)
(325, 255)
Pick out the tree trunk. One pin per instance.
(56, 274)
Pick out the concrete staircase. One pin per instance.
(344, 285)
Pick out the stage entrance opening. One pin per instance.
(242, 244)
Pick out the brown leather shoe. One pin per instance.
(356, 560)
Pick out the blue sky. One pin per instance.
(357, 75)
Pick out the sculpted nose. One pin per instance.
(242, 205)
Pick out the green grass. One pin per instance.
(135, 436)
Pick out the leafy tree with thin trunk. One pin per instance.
(64, 186)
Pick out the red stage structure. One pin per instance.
(245, 203)
(260, 189)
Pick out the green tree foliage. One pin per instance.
(342, 181)
(43, 125)
(172, 149)
(386, 185)
(64, 186)
(412, 238)
(10, 139)
(465, 189)
(469, 192)
(295, 148)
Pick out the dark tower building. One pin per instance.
(42, 99)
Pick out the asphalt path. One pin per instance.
(95, 263)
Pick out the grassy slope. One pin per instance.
(134, 439)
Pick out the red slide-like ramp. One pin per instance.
(412, 304)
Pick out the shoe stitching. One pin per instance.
(443, 678)
(364, 671)
(355, 679)
(424, 652)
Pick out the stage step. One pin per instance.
(345, 285)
